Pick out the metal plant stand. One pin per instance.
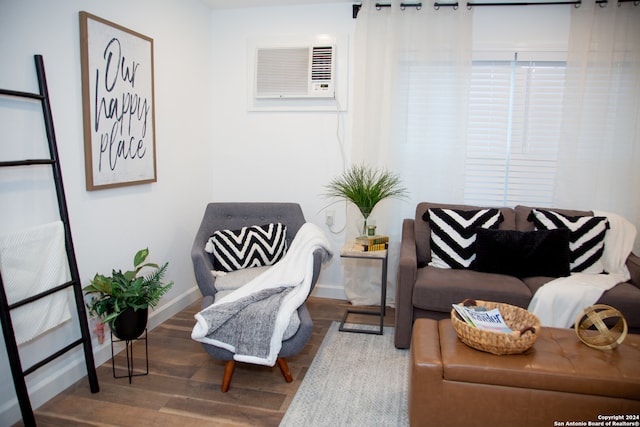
(129, 351)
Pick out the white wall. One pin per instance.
(278, 156)
(109, 225)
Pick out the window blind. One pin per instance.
(514, 130)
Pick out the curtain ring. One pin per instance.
(419, 7)
(436, 6)
(468, 6)
(402, 6)
(378, 7)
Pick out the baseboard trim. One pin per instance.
(326, 290)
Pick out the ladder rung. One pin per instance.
(27, 162)
(21, 94)
(41, 295)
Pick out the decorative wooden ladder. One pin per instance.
(17, 371)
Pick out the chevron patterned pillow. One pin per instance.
(586, 238)
(254, 246)
(453, 234)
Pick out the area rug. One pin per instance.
(354, 380)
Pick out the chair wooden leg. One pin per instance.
(228, 373)
(284, 368)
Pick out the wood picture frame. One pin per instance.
(118, 104)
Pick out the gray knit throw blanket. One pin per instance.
(247, 323)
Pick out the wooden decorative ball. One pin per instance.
(601, 327)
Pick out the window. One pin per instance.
(514, 130)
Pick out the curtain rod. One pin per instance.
(356, 7)
(379, 6)
(576, 3)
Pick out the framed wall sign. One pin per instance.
(118, 106)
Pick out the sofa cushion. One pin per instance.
(254, 246)
(586, 240)
(625, 298)
(453, 234)
(423, 230)
(536, 282)
(523, 253)
(437, 288)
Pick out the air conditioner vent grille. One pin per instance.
(321, 63)
(283, 71)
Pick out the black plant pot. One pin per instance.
(130, 324)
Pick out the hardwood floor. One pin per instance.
(183, 385)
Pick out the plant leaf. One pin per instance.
(140, 256)
(365, 187)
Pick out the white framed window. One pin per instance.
(514, 131)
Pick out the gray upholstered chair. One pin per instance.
(233, 216)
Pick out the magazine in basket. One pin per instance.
(481, 318)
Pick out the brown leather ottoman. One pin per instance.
(559, 382)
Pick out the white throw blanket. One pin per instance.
(288, 282)
(32, 261)
(559, 302)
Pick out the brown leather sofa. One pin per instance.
(428, 292)
(558, 381)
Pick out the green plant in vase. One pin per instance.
(365, 187)
(128, 293)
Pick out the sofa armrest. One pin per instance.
(320, 256)
(406, 279)
(202, 260)
(206, 301)
(202, 267)
(633, 264)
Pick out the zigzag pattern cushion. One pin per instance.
(586, 239)
(453, 234)
(254, 246)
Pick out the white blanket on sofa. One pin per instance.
(232, 324)
(559, 302)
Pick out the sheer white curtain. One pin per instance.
(599, 159)
(412, 74)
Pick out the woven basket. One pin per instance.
(525, 326)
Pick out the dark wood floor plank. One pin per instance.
(222, 413)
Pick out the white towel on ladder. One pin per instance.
(32, 261)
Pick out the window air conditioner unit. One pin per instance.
(295, 72)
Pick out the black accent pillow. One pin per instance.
(523, 253)
(254, 246)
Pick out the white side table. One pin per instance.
(347, 251)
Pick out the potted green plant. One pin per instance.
(365, 187)
(123, 299)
